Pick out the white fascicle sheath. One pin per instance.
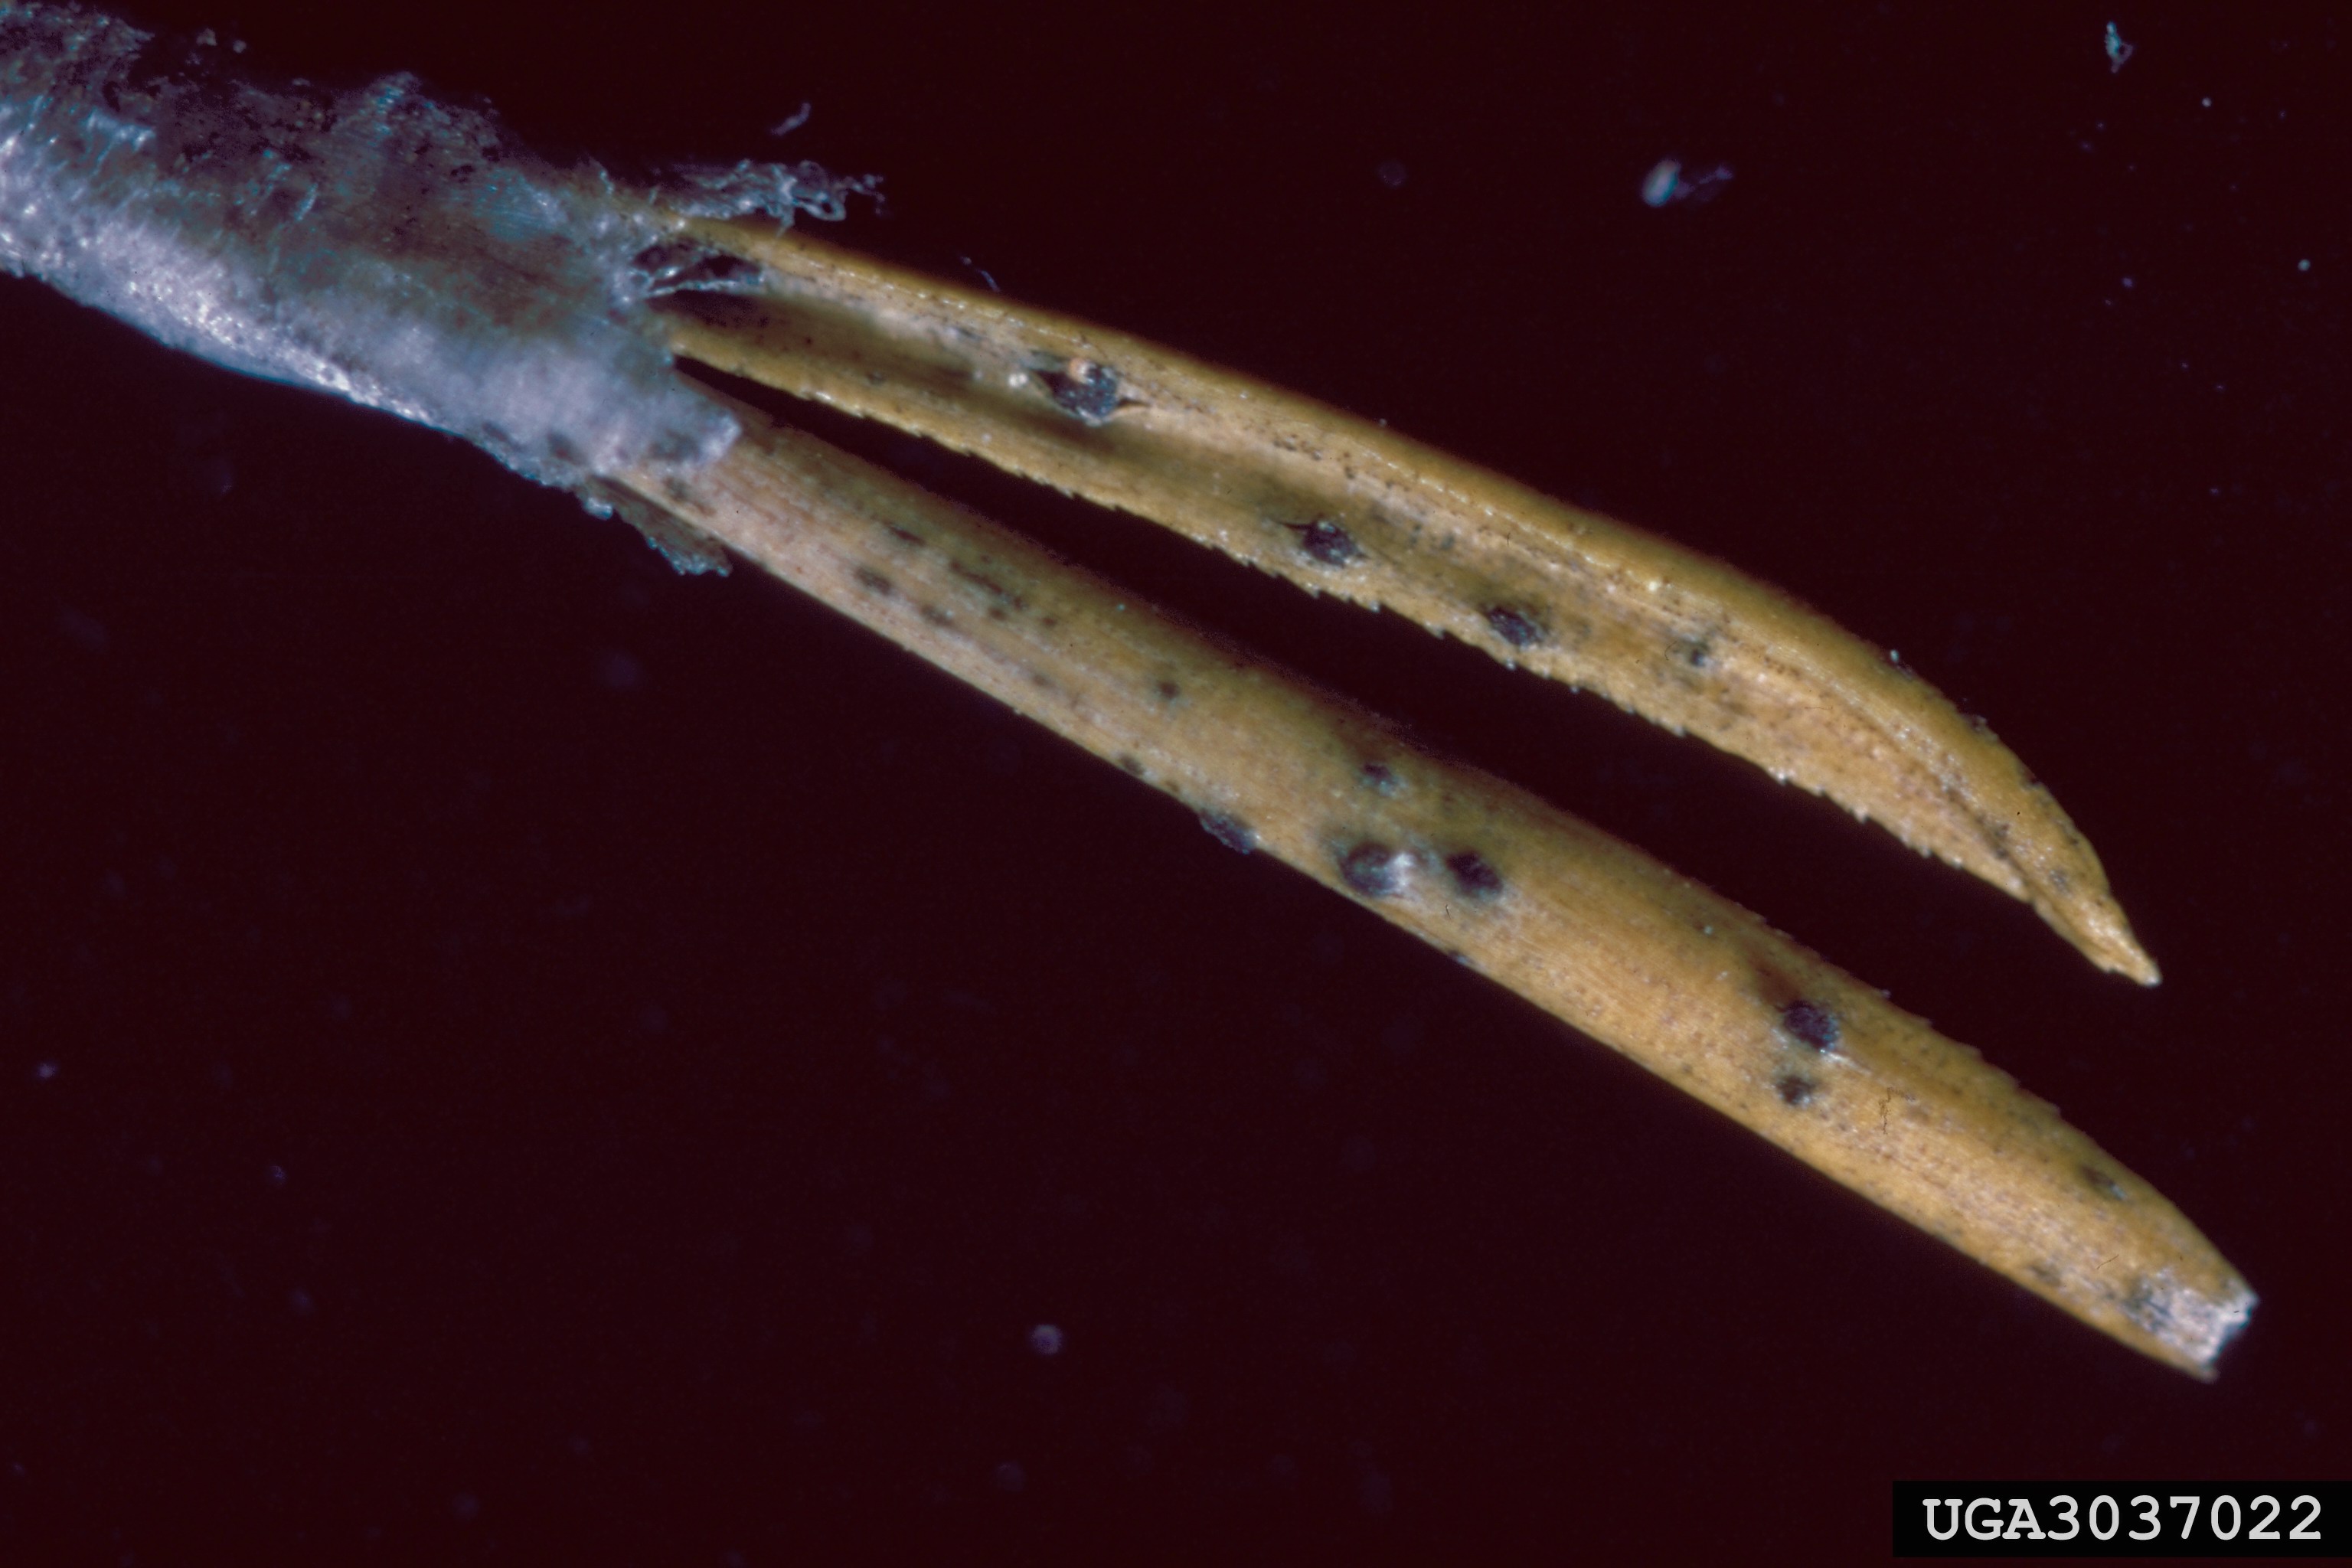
(400, 252)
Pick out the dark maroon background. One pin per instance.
(554, 1061)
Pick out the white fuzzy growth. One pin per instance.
(375, 243)
(2196, 1324)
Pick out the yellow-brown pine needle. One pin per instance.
(1344, 508)
(1694, 988)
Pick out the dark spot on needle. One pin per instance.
(2105, 1186)
(1795, 1088)
(1381, 778)
(1473, 878)
(1004, 597)
(1230, 831)
(1328, 543)
(874, 582)
(1085, 390)
(1813, 1024)
(1513, 626)
(1371, 869)
(2146, 1307)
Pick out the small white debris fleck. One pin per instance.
(2117, 51)
(2302, 266)
(1045, 1339)
(1669, 182)
(44, 1071)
